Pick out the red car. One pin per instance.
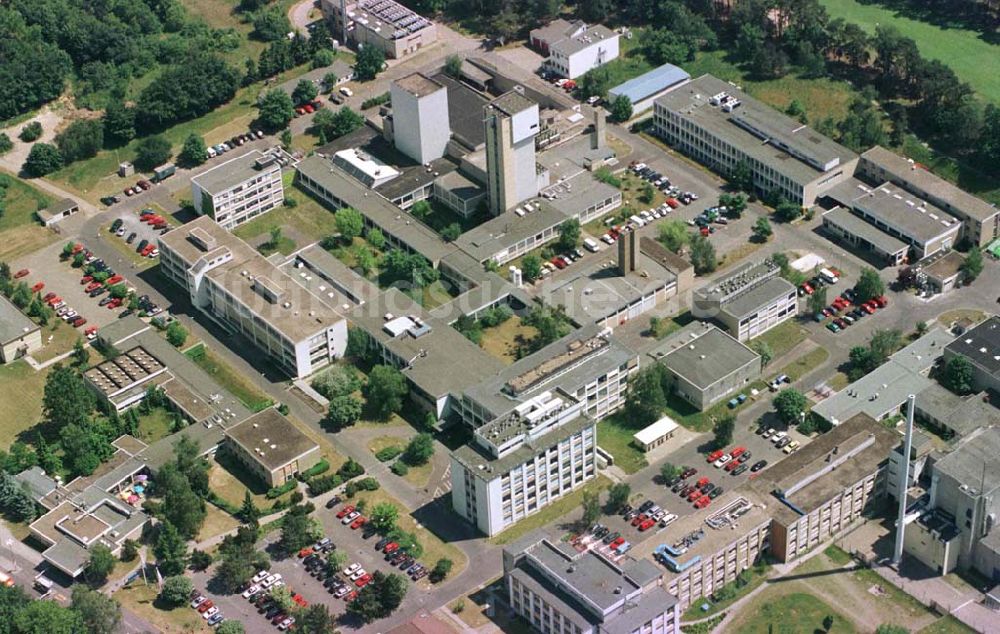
(702, 502)
(300, 601)
(114, 279)
(358, 523)
(702, 482)
(807, 288)
(390, 548)
(305, 552)
(52, 301)
(345, 511)
(672, 202)
(21, 273)
(352, 595)
(79, 321)
(639, 519)
(115, 303)
(48, 296)
(732, 465)
(882, 301)
(308, 108)
(558, 262)
(92, 287)
(868, 307)
(715, 455)
(86, 279)
(618, 542)
(205, 606)
(645, 526)
(149, 249)
(37, 287)
(363, 580)
(737, 452)
(694, 494)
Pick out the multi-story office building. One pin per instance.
(590, 364)
(421, 129)
(733, 537)
(573, 48)
(244, 292)
(511, 122)
(925, 228)
(828, 484)
(981, 220)
(705, 365)
(386, 24)
(719, 125)
(520, 463)
(561, 591)
(980, 346)
(239, 190)
(749, 301)
(272, 447)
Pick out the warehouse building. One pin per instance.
(520, 463)
(980, 219)
(719, 125)
(271, 447)
(385, 24)
(748, 301)
(239, 190)
(924, 227)
(705, 365)
(643, 90)
(19, 335)
(246, 293)
(562, 591)
(573, 48)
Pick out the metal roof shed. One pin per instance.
(645, 88)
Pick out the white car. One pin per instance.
(271, 580)
(350, 570)
(777, 437)
(198, 601)
(254, 589)
(350, 517)
(260, 576)
(210, 612)
(360, 572)
(668, 520)
(725, 458)
(341, 591)
(770, 432)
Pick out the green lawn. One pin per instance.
(155, 425)
(783, 337)
(20, 399)
(308, 217)
(20, 231)
(756, 576)
(63, 336)
(837, 555)
(502, 341)
(615, 437)
(947, 625)
(964, 50)
(796, 612)
(805, 364)
(228, 378)
(565, 508)
(142, 600)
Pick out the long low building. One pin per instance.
(980, 346)
(719, 125)
(924, 227)
(19, 335)
(245, 292)
(239, 190)
(272, 447)
(981, 220)
(748, 301)
(643, 90)
(859, 234)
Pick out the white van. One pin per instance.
(591, 245)
(639, 222)
(828, 275)
(344, 90)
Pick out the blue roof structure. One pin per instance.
(638, 88)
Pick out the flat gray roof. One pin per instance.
(418, 84)
(761, 295)
(460, 186)
(847, 221)
(886, 387)
(339, 67)
(443, 360)
(473, 455)
(976, 462)
(271, 439)
(579, 192)
(13, 323)
(465, 109)
(703, 354)
(763, 133)
(589, 575)
(964, 414)
(512, 102)
(897, 209)
(233, 172)
(906, 171)
(507, 229)
(650, 83)
(593, 35)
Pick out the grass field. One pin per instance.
(217, 522)
(501, 341)
(783, 337)
(564, 508)
(308, 217)
(63, 335)
(805, 364)
(797, 612)
(961, 49)
(20, 399)
(141, 599)
(947, 625)
(155, 425)
(615, 437)
(219, 370)
(758, 574)
(20, 232)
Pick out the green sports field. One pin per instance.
(973, 59)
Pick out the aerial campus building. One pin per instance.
(980, 346)
(421, 128)
(19, 335)
(271, 447)
(386, 24)
(562, 591)
(748, 301)
(519, 463)
(574, 48)
(719, 125)
(245, 292)
(511, 122)
(239, 189)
